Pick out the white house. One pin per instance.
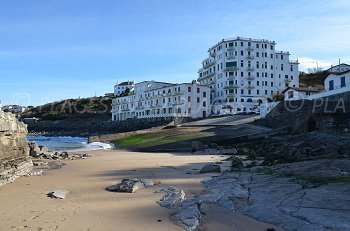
(337, 80)
(243, 73)
(151, 99)
(339, 68)
(298, 93)
(14, 108)
(122, 87)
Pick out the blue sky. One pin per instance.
(57, 49)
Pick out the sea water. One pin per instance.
(68, 143)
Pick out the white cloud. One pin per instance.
(310, 63)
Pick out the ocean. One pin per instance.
(68, 143)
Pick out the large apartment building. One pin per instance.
(151, 99)
(244, 72)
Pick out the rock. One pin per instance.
(58, 194)
(172, 198)
(34, 149)
(14, 149)
(43, 149)
(64, 154)
(130, 185)
(210, 168)
(237, 164)
(189, 214)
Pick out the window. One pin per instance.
(257, 92)
(204, 94)
(257, 64)
(189, 89)
(281, 67)
(198, 90)
(257, 45)
(257, 54)
(242, 100)
(189, 99)
(198, 100)
(242, 63)
(342, 81)
(204, 104)
(242, 44)
(242, 53)
(189, 110)
(242, 91)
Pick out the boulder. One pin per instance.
(34, 149)
(130, 185)
(173, 197)
(210, 168)
(58, 194)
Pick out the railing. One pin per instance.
(230, 49)
(250, 57)
(250, 86)
(250, 77)
(250, 69)
(250, 48)
(230, 86)
(231, 95)
(287, 80)
(208, 64)
(232, 57)
(231, 68)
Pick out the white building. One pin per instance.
(122, 87)
(244, 73)
(339, 68)
(298, 93)
(337, 80)
(14, 108)
(157, 99)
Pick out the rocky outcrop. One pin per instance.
(14, 150)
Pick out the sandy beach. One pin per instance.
(24, 205)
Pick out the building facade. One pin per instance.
(336, 81)
(243, 73)
(298, 93)
(123, 87)
(339, 68)
(151, 99)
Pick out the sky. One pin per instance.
(57, 49)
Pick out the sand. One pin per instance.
(24, 205)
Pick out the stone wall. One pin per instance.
(100, 126)
(14, 150)
(301, 115)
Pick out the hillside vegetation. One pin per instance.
(313, 79)
(71, 109)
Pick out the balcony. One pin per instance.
(250, 77)
(232, 57)
(231, 95)
(250, 86)
(250, 68)
(231, 68)
(287, 80)
(179, 102)
(139, 107)
(250, 49)
(231, 78)
(231, 86)
(212, 90)
(249, 57)
(213, 54)
(230, 49)
(208, 64)
(178, 92)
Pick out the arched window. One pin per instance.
(249, 100)
(179, 110)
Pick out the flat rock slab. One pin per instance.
(130, 185)
(210, 168)
(58, 194)
(173, 197)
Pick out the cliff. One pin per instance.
(14, 149)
